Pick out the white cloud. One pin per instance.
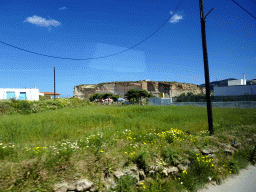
(42, 21)
(176, 18)
(62, 8)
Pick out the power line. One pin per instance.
(244, 9)
(100, 57)
(253, 2)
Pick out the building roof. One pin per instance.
(50, 93)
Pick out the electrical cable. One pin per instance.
(100, 57)
(253, 2)
(244, 9)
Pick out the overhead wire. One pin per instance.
(100, 57)
(244, 9)
(253, 2)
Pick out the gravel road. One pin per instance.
(245, 181)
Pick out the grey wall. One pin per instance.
(159, 101)
(232, 104)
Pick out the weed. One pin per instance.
(141, 161)
(232, 166)
(6, 150)
(4, 108)
(170, 155)
(126, 184)
(201, 169)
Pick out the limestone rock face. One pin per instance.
(120, 88)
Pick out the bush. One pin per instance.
(43, 98)
(198, 174)
(170, 155)
(22, 106)
(126, 184)
(141, 161)
(4, 108)
(74, 101)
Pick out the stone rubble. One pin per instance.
(109, 182)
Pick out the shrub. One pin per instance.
(43, 98)
(6, 150)
(141, 161)
(232, 166)
(198, 174)
(74, 101)
(126, 184)
(170, 155)
(4, 108)
(22, 106)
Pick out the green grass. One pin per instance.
(57, 144)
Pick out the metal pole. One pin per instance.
(54, 84)
(206, 68)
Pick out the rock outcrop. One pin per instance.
(169, 89)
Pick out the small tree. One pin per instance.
(135, 95)
(107, 95)
(132, 95)
(95, 96)
(115, 97)
(143, 93)
(190, 94)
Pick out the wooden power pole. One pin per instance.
(54, 83)
(206, 67)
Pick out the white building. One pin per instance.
(31, 94)
(236, 82)
(235, 90)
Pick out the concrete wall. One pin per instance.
(235, 90)
(159, 101)
(31, 94)
(233, 104)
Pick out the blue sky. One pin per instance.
(89, 29)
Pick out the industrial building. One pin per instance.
(235, 90)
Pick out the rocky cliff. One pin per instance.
(169, 89)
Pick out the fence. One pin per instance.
(202, 98)
(232, 104)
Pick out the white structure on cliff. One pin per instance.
(236, 82)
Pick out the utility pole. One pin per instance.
(206, 67)
(54, 83)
